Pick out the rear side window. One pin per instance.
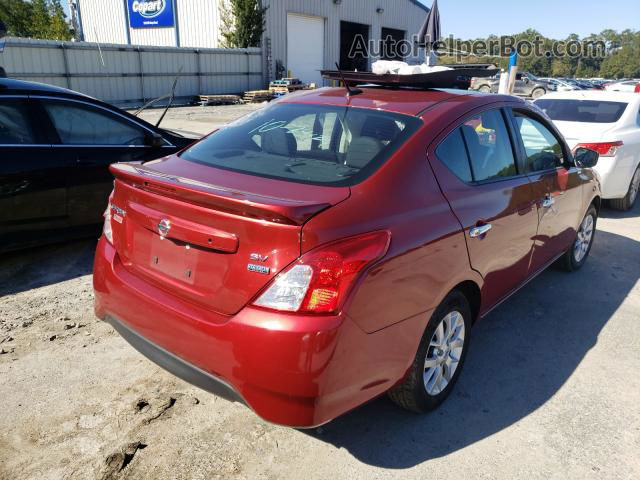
(453, 153)
(79, 124)
(543, 149)
(489, 146)
(585, 111)
(15, 128)
(320, 145)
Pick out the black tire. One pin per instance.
(537, 93)
(484, 89)
(625, 204)
(412, 394)
(569, 262)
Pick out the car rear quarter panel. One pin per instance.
(427, 256)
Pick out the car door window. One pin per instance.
(543, 150)
(490, 150)
(79, 124)
(15, 128)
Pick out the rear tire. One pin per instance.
(629, 200)
(440, 357)
(485, 89)
(537, 93)
(577, 255)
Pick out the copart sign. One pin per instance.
(150, 13)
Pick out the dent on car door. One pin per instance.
(33, 180)
(557, 186)
(478, 171)
(93, 138)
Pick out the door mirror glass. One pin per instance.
(586, 158)
(154, 140)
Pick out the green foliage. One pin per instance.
(36, 19)
(620, 59)
(243, 23)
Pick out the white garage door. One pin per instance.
(305, 47)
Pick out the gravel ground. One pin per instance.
(550, 390)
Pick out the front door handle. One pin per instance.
(548, 201)
(480, 231)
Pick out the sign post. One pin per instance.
(513, 72)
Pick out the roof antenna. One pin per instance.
(351, 91)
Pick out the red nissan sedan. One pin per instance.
(330, 248)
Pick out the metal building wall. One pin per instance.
(132, 74)
(104, 21)
(197, 22)
(399, 14)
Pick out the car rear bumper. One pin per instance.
(615, 177)
(299, 371)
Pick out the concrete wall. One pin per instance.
(130, 74)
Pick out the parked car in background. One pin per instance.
(526, 85)
(625, 86)
(332, 247)
(561, 84)
(56, 147)
(609, 123)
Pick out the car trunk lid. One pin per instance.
(201, 236)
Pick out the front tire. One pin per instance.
(440, 357)
(577, 255)
(485, 89)
(627, 203)
(537, 93)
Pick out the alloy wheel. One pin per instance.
(583, 240)
(444, 353)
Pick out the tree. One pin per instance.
(58, 27)
(36, 19)
(17, 15)
(243, 23)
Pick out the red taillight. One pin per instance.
(320, 280)
(637, 89)
(606, 149)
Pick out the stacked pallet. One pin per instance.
(219, 99)
(258, 96)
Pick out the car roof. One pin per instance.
(398, 100)
(10, 86)
(601, 95)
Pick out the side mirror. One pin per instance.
(586, 158)
(526, 79)
(154, 140)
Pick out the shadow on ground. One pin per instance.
(608, 212)
(519, 357)
(42, 266)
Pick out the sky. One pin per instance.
(469, 19)
(556, 19)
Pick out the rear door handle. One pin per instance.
(480, 231)
(548, 202)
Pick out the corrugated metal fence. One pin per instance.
(128, 75)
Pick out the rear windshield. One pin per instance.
(586, 111)
(320, 145)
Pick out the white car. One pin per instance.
(561, 85)
(626, 86)
(608, 122)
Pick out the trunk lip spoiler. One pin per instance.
(280, 210)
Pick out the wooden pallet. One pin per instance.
(257, 96)
(219, 99)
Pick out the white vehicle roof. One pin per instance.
(598, 95)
